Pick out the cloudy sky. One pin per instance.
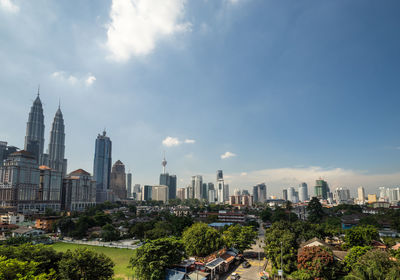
(269, 91)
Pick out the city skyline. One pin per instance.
(214, 106)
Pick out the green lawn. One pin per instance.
(119, 256)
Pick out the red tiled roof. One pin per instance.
(80, 172)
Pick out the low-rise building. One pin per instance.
(11, 218)
(27, 232)
(46, 223)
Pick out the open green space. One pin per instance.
(119, 256)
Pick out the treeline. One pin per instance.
(41, 262)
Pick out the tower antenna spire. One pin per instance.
(59, 102)
(164, 163)
(38, 90)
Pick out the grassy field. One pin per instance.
(119, 256)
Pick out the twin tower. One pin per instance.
(34, 139)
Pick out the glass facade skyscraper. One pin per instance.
(102, 167)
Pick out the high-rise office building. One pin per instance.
(102, 167)
(321, 189)
(303, 192)
(361, 195)
(285, 194)
(291, 194)
(220, 187)
(341, 195)
(56, 151)
(190, 191)
(260, 193)
(5, 151)
(79, 191)
(168, 180)
(204, 192)
(226, 192)
(129, 185)
(34, 138)
(118, 180)
(147, 193)
(197, 185)
(255, 193)
(160, 193)
(181, 193)
(210, 187)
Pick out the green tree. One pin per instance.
(45, 257)
(315, 210)
(84, 264)
(101, 218)
(375, 265)
(109, 233)
(239, 237)
(280, 240)
(354, 255)
(201, 240)
(161, 229)
(150, 260)
(360, 236)
(11, 269)
(318, 261)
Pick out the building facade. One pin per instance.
(102, 167)
(78, 191)
(321, 189)
(118, 180)
(303, 192)
(160, 193)
(34, 137)
(55, 158)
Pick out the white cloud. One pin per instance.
(137, 25)
(171, 141)
(62, 76)
(9, 6)
(227, 155)
(174, 141)
(90, 80)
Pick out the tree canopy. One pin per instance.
(84, 264)
(315, 210)
(150, 260)
(317, 261)
(360, 236)
(239, 237)
(201, 240)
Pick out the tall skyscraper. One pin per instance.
(341, 195)
(160, 193)
(303, 192)
(129, 185)
(204, 191)
(361, 195)
(102, 167)
(220, 187)
(211, 193)
(197, 184)
(321, 189)
(168, 180)
(118, 180)
(147, 193)
(5, 151)
(181, 193)
(255, 193)
(34, 138)
(56, 159)
(226, 192)
(285, 194)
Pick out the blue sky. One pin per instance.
(288, 91)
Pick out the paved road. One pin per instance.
(257, 261)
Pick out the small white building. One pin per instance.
(27, 232)
(11, 218)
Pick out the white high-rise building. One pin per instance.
(160, 193)
(361, 195)
(211, 196)
(303, 192)
(293, 195)
(220, 187)
(197, 184)
(226, 192)
(341, 195)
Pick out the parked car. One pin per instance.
(235, 276)
(246, 264)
